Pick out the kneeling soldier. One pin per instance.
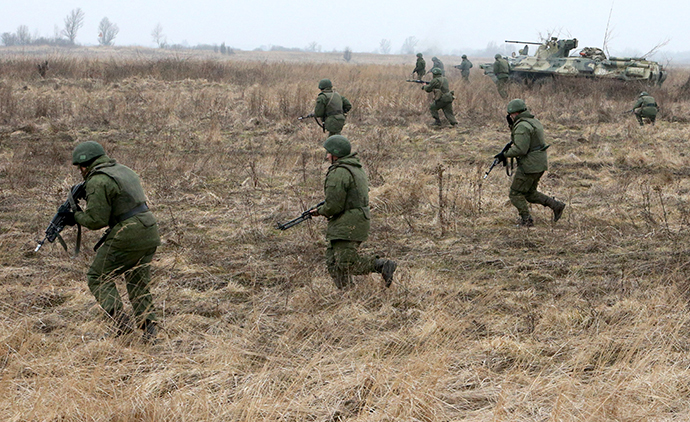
(347, 208)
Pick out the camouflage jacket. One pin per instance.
(501, 68)
(647, 105)
(465, 67)
(420, 67)
(528, 146)
(112, 190)
(439, 86)
(347, 200)
(331, 107)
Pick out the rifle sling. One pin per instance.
(77, 246)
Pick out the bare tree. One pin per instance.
(409, 45)
(8, 39)
(158, 36)
(23, 35)
(107, 31)
(385, 46)
(73, 22)
(313, 47)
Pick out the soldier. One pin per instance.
(420, 67)
(501, 71)
(645, 108)
(443, 98)
(347, 209)
(331, 107)
(528, 146)
(438, 64)
(465, 67)
(524, 51)
(115, 198)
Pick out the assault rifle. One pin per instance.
(418, 81)
(306, 215)
(56, 225)
(323, 127)
(504, 161)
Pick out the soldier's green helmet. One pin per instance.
(436, 71)
(517, 105)
(419, 55)
(464, 56)
(325, 84)
(338, 145)
(643, 93)
(86, 151)
(497, 56)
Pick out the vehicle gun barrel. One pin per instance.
(524, 42)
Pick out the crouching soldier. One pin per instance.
(115, 198)
(346, 207)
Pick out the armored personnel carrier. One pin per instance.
(552, 59)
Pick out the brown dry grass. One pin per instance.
(582, 320)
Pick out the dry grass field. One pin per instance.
(583, 320)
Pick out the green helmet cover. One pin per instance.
(464, 56)
(643, 93)
(419, 54)
(497, 56)
(436, 71)
(86, 151)
(325, 84)
(338, 146)
(517, 105)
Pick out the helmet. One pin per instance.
(325, 84)
(643, 93)
(516, 105)
(86, 151)
(436, 71)
(497, 56)
(464, 56)
(337, 145)
(419, 54)
(434, 59)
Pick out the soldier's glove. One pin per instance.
(510, 121)
(501, 157)
(67, 217)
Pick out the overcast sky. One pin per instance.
(445, 25)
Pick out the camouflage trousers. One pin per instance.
(501, 85)
(643, 114)
(334, 125)
(447, 107)
(524, 190)
(466, 77)
(135, 265)
(343, 261)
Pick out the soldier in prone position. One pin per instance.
(346, 207)
(529, 148)
(115, 198)
(331, 107)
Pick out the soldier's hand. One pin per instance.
(500, 157)
(314, 212)
(68, 218)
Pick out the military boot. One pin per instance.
(557, 207)
(123, 325)
(150, 332)
(386, 268)
(526, 221)
(437, 122)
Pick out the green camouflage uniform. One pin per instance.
(331, 107)
(443, 99)
(646, 108)
(420, 67)
(529, 149)
(113, 192)
(347, 208)
(501, 71)
(439, 65)
(465, 67)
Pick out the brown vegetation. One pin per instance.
(585, 319)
